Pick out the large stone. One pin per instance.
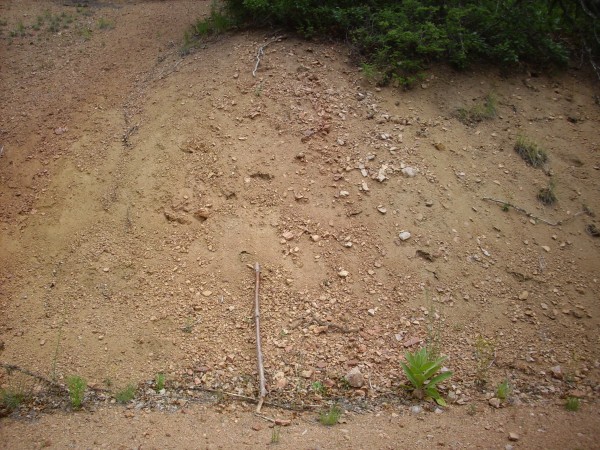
(355, 378)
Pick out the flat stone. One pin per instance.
(343, 273)
(288, 235)
(524, 295)
(512, 436)
(495, 402)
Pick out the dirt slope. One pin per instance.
(139, 187)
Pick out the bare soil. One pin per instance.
(139, 186)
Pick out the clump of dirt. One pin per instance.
(139, 187)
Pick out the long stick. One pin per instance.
(261, 52)
(261, 369)
(528, 214)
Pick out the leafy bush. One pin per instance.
(400, 38)
(420, 369)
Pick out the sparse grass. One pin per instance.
(105, 24)
(216, 23)
(472, 409)
(331, 416)
(11, 398)
(77, 386)
(318, 388)
(275, 435)
(20, 30)
(126, 394)
(485, 353)
(503, 390)
(85, 33)
(547, 195)
(572, 404)
(532, 153)
(159, 382)
(479, 112)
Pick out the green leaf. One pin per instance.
(439, 378)
(409, 375)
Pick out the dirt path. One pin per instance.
(139, 186)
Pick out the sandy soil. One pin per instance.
(138, 187)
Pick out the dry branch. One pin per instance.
(261, 52)
(528, 214)
(259, 357)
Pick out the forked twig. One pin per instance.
(261, 52)
(259, 357)
(48, 381)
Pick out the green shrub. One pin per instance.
(76, 387)
(159, 382)
(400, 38)
(11, 398)
(504, 389)
(420, 369)
(479, 111)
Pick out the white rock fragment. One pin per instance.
(409, 172)
(364, 186)
(382, 209)
(381, 177)
(404, 235)
(344, 193)
(343, 273)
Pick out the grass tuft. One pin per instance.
(126, 394)
(547, 195)
(572, 404)
(479, 112)
(503, 390)
(331, 416)
(532, 153)
(159, 382)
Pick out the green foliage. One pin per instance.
(275, 435)
(216, 23)
(479, 112)
(331, 416)
(159, 382)
(421, 368)
(11, 398)
(126, 394)
(400, 38)
(77, 386)
(572, 404)
(531, 152)
(318, 387)
(504, 389)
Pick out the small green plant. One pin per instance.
(331, 416)
(369, 71)
(503, 390)
(472, 409)
(275, 435)
(85, 33)
(159, 382)
(572, 404)
(216, 23)
(318, 387)
(479, 111)
(421, 369)
(505, 207)
(105, 24)
(126, 394)
(531, 152)
(547, 195)
(77, 386)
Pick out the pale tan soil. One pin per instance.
(116, 149)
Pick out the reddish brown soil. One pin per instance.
(138, 187)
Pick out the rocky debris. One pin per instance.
(524, 295)
(344, 193)
(343, 273)
(202, 214)
(382, 209)
(381, 173)
(557, 372)
(355, 378)
(288, 235)
(416, 409)
(172, 217)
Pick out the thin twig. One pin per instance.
(261, 369)
(528, 214)
(284, 422)
(12, 367)
(261, 52)
(253, 400)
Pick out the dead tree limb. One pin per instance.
(259, 357)
(11, 367)
(261, 52)
(528, 214)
